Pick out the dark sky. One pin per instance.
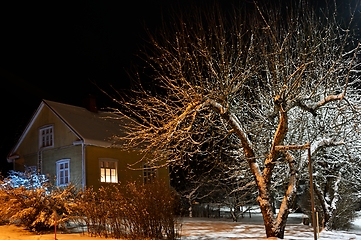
(54, 49)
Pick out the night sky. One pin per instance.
(54, 50)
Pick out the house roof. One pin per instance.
(92, 128)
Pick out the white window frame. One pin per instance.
(108, 168)
(149, 173)
(46, 136)
(63, 172)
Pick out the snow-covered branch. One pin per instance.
(315, 147)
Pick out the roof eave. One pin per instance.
(12, 158)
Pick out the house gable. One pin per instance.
(29, 146)
(62, 134)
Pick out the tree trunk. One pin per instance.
(266, 210)
(275, 227)
(323, 203)
(190, 209)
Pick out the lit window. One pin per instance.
(149, 173)
(63, 172)
(46, 137)
(108, 170)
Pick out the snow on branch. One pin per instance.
(316, 146)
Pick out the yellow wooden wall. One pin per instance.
(127, 171)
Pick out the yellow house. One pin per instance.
(76, 145)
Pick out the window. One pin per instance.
(149, 173)
(63, 172)
(108, 170)
(46, 137)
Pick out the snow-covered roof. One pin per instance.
(94, 128)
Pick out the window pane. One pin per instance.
(63, 172)
(108, 171)
(46, 137)
(102, 175)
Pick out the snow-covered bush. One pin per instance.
(37, 207)
(29, 179)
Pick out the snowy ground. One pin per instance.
(246, 228)
(210, 229)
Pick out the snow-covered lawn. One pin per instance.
(246, 228)
(209, 229)
(11, 232)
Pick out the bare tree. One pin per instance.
(261, 76)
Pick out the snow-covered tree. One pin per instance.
(337, 187)
(335, 156)
(266, 75)
(337, 168)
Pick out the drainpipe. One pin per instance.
(83, 165)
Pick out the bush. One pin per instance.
(151, 209)
(134, 211)
(38, 207)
